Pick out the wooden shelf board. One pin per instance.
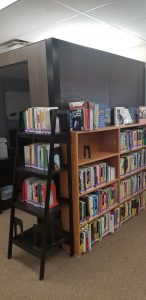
(107, 128)
(132, 173)
(91, 190)
(98, 215)
(37, 172)
(130, 125)
(26, 243)
(60, 137)
(35, 210)
(99, 156)
(132, 150)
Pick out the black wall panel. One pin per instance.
(99, 76)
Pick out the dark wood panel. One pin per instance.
(35, 56)
(14, 56)
(52, 54)
(37, 68)
(99, 76)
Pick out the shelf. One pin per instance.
(91, 190)
(98, 215)
(37, 172)
(82, 224)
(26, 243)
(46, 137)
(122, 177)
(132, 150)
(99, 156)
(100, 129)
(131, 196)
(38, 211)
(130, 125)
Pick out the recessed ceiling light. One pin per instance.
(5, 3)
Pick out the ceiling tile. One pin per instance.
(85, 31)
(26, 15)
(120, 12)
(84, 5)
(79, 27)
(137, 28)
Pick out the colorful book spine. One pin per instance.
(34, 192)
(92, 176)
(38, 119)
(97, 202)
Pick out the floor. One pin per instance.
(114, 270)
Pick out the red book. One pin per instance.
(24, 191)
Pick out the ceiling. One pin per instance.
(117, 26)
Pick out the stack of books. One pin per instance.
(97, 202)
(131, 139)
(91, 176)
(38, 119)
(95, 231)
(132, 162)
(37, 156)
(86, 115)
(131, 185)
(34, 192)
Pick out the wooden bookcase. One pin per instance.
(104, 147)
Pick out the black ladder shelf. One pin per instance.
(38, 239)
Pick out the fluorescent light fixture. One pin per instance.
(5, 3)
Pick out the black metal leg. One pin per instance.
(43, 250)
(42, 267)
(11, 233)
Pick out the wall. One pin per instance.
(87, 73)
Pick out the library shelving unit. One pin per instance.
(102, 145)
(48, 232)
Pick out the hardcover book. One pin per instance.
(122, 116)
(133, 113)
(142, 114)
(76, 119)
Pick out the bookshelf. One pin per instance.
(48, 231)
(105, 146)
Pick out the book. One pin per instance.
(87, 108)
(38, 119)
(133, 113)
(76, 119)
(142, 114)
(122, 116)
(34, 192)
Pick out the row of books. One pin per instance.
(34, 192)
(97, 202)
(96, 230)
(132, 162)
(93, 232)
(130, 208)
(86, 115)
(132, 185)
(37, 156)
(131, 139)
(38, 119)
(91, 176)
